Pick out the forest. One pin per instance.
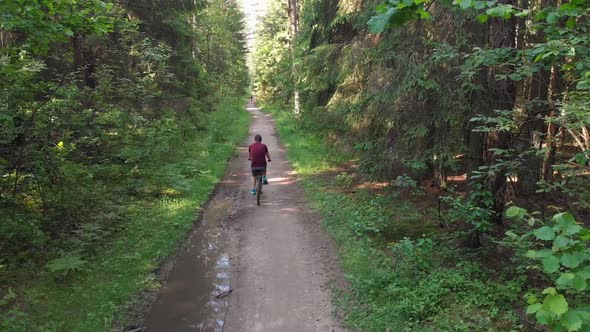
(116, 120)
(446, 145)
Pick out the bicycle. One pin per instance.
(258, 186)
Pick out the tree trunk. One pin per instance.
(502, 35)
(534, 127)
(441, 133)
(294, 19)
(556, 86)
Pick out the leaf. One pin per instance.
(531, 222)
(482, 18)
(539, 253)
(570, 260)
(511, 234)
(533, 308)
(571, 321)
(572, 229)
(515, 211)
(503, 11)
(565, 280)
(68, 32)
(523, 13)
(585, 272)
(550, 264)
(555, 303)
(479, 5)
(553, 18)
(380, 22)
(464, 3)
(544, 233)
(561, 242)
(579, 283)
(580, 158)
(563, 219)
(543, 316)
(424, 15)
(531, 298)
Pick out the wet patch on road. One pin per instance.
(196, 294)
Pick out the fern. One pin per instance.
(67, 264)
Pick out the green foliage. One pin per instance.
(50, 22)
(475, 210)
(155, 218)
(108, 108)
(66, 264)
(404, 181)
(399, 279)
(396, 12)
(272, 61)
(562, 305)
(344, 179)
(491, 89)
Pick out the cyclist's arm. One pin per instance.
(249, 154)
(267, 155)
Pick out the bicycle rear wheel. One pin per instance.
(258, 188)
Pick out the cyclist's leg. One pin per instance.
(253, 191)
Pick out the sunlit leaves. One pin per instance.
(44, 23)
(397, 12)
(555, 303)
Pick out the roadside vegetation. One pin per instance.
(116, 121)
(454, 167)
(405, 273)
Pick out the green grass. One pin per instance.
(96, 298)
(404, 274)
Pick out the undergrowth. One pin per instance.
(403, 274)
(92, 293)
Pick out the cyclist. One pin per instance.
(258, 154)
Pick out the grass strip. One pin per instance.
(95, 298)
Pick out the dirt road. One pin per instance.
(247, 267)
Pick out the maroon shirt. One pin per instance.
(258, 154)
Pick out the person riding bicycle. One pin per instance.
(258, 154)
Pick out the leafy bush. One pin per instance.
(22, 238)
(559, 249)
(474, 210)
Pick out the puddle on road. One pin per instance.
(189, 300)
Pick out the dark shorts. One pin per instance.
(257, 170)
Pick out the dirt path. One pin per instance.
(274, 258)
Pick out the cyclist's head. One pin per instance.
(258, 138)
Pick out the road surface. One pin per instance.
(252, 268)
